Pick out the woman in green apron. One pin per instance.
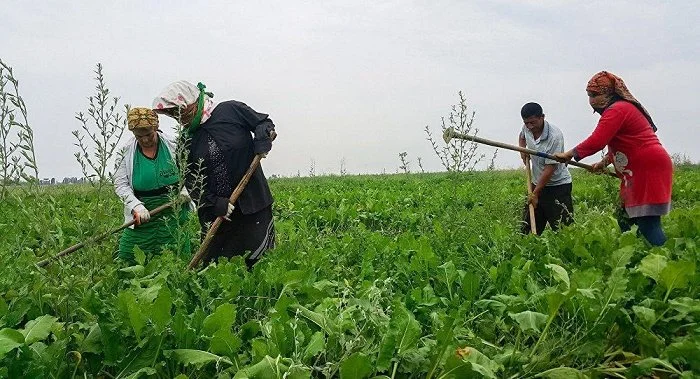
(146, 178)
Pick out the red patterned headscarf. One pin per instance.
(607, 83)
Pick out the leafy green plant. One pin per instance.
(459, 155)
(405, 166)
(17, 154)
(403, 276)
(97, 140)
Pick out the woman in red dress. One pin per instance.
(642, 164)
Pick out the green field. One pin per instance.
(399, 276)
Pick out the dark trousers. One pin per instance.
(251, 235)
(647, 226)
(554, 207)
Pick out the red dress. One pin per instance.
(640, 161)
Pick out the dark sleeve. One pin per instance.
(259, 124)
(196, 183)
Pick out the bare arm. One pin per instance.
(522, 143)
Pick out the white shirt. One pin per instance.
(551, 141)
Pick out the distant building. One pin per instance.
(73, 180)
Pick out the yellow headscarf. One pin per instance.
(142, 118)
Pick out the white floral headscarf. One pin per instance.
(181, 94)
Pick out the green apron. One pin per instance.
(151, 179)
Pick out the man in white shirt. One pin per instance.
(551, 180)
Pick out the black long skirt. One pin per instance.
(245, 235)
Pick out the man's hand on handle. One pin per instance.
(526, 158)
(533, 199)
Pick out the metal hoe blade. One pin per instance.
(447, 134)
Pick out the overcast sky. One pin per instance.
(357, 80)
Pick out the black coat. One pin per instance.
(225, 146)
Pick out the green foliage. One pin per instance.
(97, 140)
(17, 154)
(406, 276)
(9, 340)
(458, 155)
(357, 366)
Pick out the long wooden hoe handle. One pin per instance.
(531, 207)
(450, 133)
(100, 237)
(204, 247)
